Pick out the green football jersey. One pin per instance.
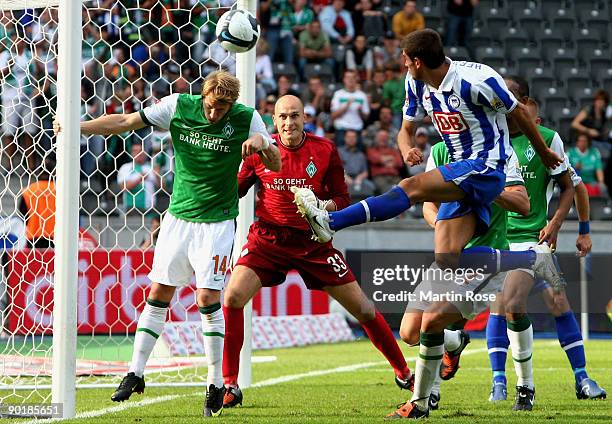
(539, 185)
(207, 156)
(495, 236)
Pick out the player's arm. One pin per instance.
(113, 124)
(520, 115)
(430, 213)
(246, 176)
(581, 198)
(412, 112)
(159, 114)
(405, 142)
(566, 197)
(265, 149)
(260, 142)
(514, 198)
(584, 244)
(271, 158)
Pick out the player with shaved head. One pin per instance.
(281, 241)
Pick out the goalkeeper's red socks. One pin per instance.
(382, 337)
(234, 337)
(377, 330)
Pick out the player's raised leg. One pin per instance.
(243, 285)
(352, 298)
(150, 326)
(429, 186)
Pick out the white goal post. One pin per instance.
(69, 278)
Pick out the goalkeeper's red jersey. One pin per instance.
(314, 164)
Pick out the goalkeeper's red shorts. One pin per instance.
(271, 251)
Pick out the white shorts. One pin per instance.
(524, 246)
(18, 116)
(183, 248)
(470, 298)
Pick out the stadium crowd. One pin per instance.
(341, 57)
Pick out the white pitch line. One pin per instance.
(345, 368)
(110, 410)
(263, 383)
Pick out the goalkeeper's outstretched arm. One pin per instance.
(109, 124)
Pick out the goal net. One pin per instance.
(134, 52)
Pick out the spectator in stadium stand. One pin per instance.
(407, 20)
(337, 23)
(316, 95)
(162, 158)
(318, 5)
(285, 88)
(384, 122)
(279, 32)
(385, 162)
(37, 207)
(268, 112)
(314, 47)
(150, 241)
(421, 138)
(362, 15)
(16, 119)
(374, 90)
(360, 58)
(592, 120)
(460, 22)
(138, 181)
(586, 160)
(310, 119)
(349, 107)
(394, 92)
(389, 51)
(302, 16)
(355, 168)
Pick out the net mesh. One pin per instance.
(134, 52)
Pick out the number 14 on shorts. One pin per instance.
(220, 264)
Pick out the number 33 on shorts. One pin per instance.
(338, 265)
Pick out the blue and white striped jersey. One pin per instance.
(468, 110)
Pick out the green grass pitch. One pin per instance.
(351, 383)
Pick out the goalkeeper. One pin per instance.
(211, 134)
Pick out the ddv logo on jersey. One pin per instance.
(450, 122)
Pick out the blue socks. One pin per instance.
(497, 344)
(570, 339)
(493, 260)
(379, 208)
